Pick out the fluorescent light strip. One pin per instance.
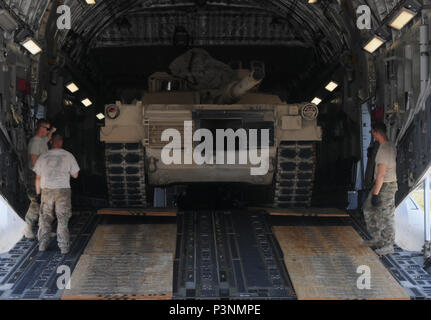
(100, 116)
(90, 1)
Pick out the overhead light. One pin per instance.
(31, 46)
(331, 86)
(312, 1)
(72, 87)
(100, 116)
(67, 102)
(7, 22)
(403, 17)
(87, 102)
(316, 101)
(90, 1)
(375, 43)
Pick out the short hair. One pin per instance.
(56, 137)
(379, 127)
(40, 122)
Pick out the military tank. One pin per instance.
(204, 93)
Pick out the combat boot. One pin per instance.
(385, 250)
(28, 232)
(43, 246)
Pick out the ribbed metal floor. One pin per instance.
(248, 266)
(230, 254)
(26, 273)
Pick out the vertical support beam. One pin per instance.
(424, 77)
(424, 63)
(408, 71)
(427, 226)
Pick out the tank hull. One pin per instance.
(175, 155)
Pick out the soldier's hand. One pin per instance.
(38, 198)
(53, 129)
(375, 200)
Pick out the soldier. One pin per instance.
(53, 170)
(380, 205)
(37, 145)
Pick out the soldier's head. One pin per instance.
(378, 130)
(42, 128)
(57, 141)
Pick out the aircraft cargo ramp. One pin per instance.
(238, 254)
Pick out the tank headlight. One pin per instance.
(112, 111)
(310, 112)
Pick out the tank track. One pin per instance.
(296, 165)
(125, 172)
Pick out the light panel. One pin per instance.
(87, 102)
(31, 46)
(72, 87)
(374, 44)
(316, 101)
(331, 86)
(90, 2)
(100, 116)
(402, 18)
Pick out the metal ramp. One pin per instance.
(127, 262)
(326, 262)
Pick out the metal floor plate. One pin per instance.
(228, 255)
(27, 273)
(405, 266)
(129, 262)
(323, 263)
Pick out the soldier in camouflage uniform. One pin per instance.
(53, 170)
(37, 146)
(379, 207)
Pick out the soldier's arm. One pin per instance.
(33, 159)
(381, 171)
(75, 175)
(37, 182)
(51, 132)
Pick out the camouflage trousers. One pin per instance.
(32, 215)
(380, 220)
(58, 201)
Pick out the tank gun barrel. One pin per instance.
(240, 88)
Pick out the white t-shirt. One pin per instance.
(36, 146)
(387, 154)
(55, 168)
